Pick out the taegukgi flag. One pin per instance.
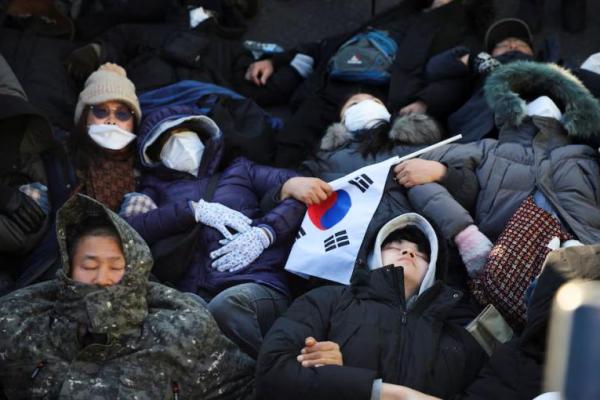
(328, 241)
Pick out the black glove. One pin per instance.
(21, 209)
(83, 61)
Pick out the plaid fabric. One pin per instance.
(515, 260)
(38, 193)
(136, 203)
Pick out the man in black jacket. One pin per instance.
(506, 40)
(515, 369)
(29, 183)
(395, 325)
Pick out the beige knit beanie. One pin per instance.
(108, 82)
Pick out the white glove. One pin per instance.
(220, 217)
(239, 252)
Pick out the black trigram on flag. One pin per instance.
(338, 239)
(300, 233)
(362, 182)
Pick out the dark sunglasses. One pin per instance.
(121, 113)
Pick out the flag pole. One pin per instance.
(427, 149)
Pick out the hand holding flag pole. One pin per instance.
(332, 231)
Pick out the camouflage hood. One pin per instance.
(153, 342)
(115, 310)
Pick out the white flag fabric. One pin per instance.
(332, 232)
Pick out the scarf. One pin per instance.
(109, 180)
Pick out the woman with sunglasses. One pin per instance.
(106, 117)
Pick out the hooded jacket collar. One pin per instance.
(114, 311)
(507, 84)
(164, 119)
(34, 135)
(386, 285)
(400, 222)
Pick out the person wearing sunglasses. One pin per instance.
(106, 117)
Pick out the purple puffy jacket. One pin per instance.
(240, 186)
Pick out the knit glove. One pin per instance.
(220, 217)
(474, 248)
(241, 251)
(483, 63)
(37, 192)
(135, 203)
(21, 209)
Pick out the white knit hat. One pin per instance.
(108, 82)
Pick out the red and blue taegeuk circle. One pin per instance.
(331, 211)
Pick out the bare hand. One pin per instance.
(307, 190)
(318, 354)
(414, 108)
(417, 171)
(465, 59)
(259, 72)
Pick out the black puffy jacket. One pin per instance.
(424, 347)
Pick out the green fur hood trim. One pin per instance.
(507, 87)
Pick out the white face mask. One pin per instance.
(183, 152)
(110, 136)
(365, 115)
(543, 106)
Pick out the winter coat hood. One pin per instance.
(21, 127)
(402, 221)
(115, 310)
(135, 339)
(412, 129)
(167, 118)
(508, 88)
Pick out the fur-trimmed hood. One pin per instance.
(411, 129)
(507, 88)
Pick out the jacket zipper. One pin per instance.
(38, 367)
(402, 298)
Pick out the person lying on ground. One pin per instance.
(396, 324)
(102, 330)
(238, 265)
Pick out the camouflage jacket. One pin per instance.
(157, 342)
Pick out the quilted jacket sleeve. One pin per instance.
(280, 376)
(285, 218)
(164, 221)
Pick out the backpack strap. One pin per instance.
(210, 187)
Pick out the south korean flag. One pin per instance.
(328, 241)
(332, 231)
